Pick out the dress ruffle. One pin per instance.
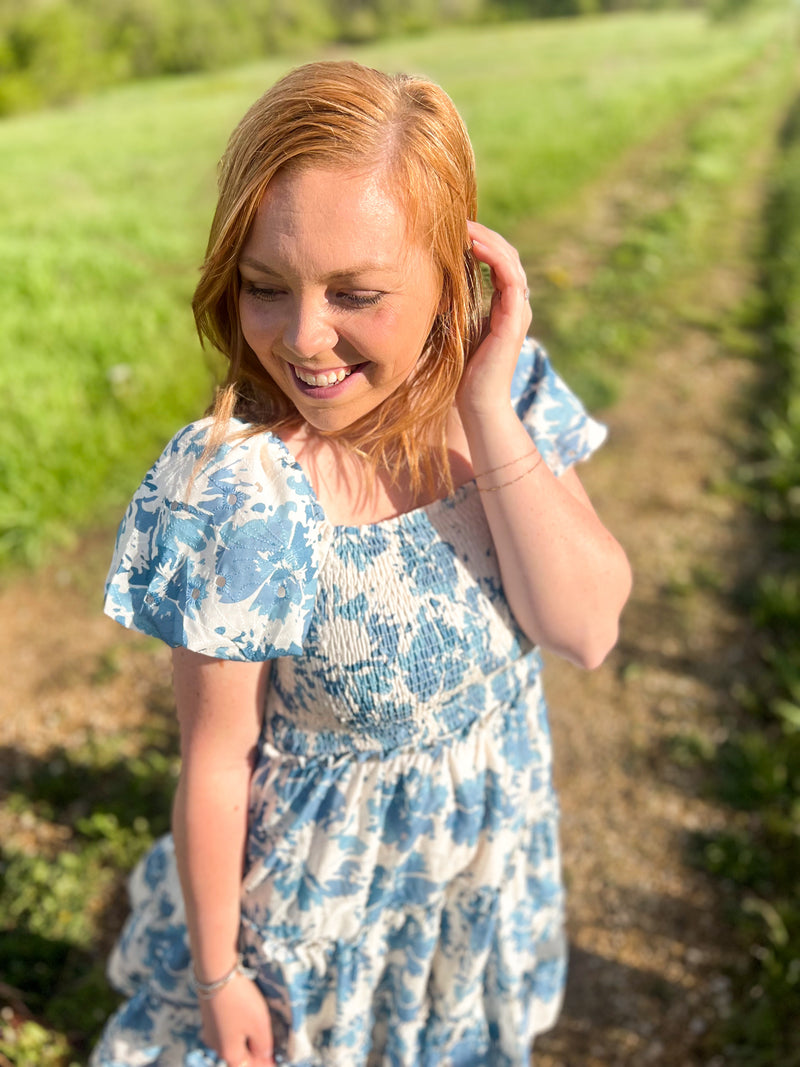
(375, 886)
(220, 555)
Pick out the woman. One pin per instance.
(364, 861)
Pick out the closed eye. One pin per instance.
(346, 298)
(359, 300)
(261, 292)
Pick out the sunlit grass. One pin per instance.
(105, 211)
(106, 208)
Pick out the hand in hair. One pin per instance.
(486, 383)
(565, 577)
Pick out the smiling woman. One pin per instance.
(355, 559)
(337, 300)
(401, 143)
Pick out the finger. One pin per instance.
(505, 268)
(510, 294)
(496, 245)
(505, 271)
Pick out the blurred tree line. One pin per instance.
(54, 50)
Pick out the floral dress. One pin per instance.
(401, 899)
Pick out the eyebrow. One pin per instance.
(349, 272)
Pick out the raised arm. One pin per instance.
(219, 706)
(565, 577)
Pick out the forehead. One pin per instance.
(322, 208)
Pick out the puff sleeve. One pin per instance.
(222, 558)
(551, 413)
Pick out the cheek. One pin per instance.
(397, 331)
(255, 324)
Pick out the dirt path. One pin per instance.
(650, 948)
(649, 945)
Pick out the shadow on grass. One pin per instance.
(85, 818)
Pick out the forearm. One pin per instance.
(565, 577)
(209, 824)
(220, 707)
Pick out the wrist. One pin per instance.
(485, 419)
(510, 472)
(208, 990)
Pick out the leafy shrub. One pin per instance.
(54, 50)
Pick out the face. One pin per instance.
(336, 301)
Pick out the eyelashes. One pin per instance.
(348, 299)
(361, 300)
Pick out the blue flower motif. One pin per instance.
(167, 955)
(400, 820)
(197, 591)
(409, 816)
(434, 570)
(155, 864)
(182, 533)
(353, 609)
(467, 818)
(224, 495)
(434, 662)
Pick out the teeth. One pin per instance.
(318, 380)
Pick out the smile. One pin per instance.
(325, 378)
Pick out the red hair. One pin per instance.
(344, 115)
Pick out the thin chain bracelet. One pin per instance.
(207, 990)
(502, 485)
(502, 467)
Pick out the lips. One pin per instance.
(323, 378)
(325, 384)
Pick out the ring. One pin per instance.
(527, 293)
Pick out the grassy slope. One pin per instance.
(140, 264)
(107, 205)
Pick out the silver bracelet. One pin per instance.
(207, 990)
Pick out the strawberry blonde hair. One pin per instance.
(344, 115)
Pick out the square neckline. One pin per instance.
(355, 528)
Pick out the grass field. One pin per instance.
(106, 208)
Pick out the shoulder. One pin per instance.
(216, 543)
(554, 416)
(245, 470)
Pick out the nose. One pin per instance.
(309, 329)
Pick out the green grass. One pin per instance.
(106, 208)
(107, 800)
(757, 767)
(638, 276)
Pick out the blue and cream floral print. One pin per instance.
(402, 899)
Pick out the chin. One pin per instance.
(327, 421)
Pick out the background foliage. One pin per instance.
(106, 206)
(52, 51)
